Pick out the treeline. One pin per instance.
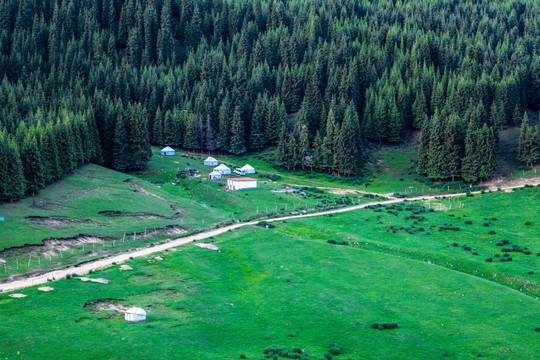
(313, 78)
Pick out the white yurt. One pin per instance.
(214, 175)
(210, 161)
(223, 169)
(248, 169)
(135, 314)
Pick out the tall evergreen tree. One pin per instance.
(237, 145)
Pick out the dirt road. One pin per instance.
(118, 259)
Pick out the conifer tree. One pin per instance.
(237, 145)
(528, 149)
(12, 182)
(33, 169)
(191, 138)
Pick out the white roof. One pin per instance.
(136, 310)
(167, 148)
(221, 167)
(215, 173)
(210, 159)
(247, 167)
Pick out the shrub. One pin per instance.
(131, 258)
(468, 222)
(493, 219)
(499, 244)
(332, 241)
(467, 248)
(528, 223)
(491, 232)
(384, 326)
(489, 260)
(334, 349)
(537, 329)
(531, 272)
(508, 259)
(455, 244)
(505, 241)
(497, 255)
(291, 335)
(475, 253)
(242, 356)
(486, 224)
(68, 276)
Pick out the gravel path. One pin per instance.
(105, 262)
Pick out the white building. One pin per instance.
(210, 161)
(241, 183)
(168, 151)
(223, 169)
(248, 169)
(214, 175)
(135, 314)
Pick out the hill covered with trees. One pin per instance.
(100, 80)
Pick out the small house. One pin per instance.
(241, 183)
(210, 161)
(223, 169)
(168, 151)
(214, 175)
(135, 314)
(248, 169)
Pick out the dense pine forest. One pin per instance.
(100, 80)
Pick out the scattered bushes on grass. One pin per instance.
(266, 224)
(486, 224)
(489, 260)
(468, 222)
(467, 248)
(492, 232)
(455, 244)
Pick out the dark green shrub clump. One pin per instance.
(334, 349)
(384, 326)
(489, 260)
(491, 232)
(467, 248)
(332, 241)
(468, 222)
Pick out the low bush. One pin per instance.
(384, 326)
(334, 349)
(489, 260)
(332, 241)
(528, 223)
(468, 222)
(492, 232)
(537, 329)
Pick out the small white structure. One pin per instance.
(168, 151)
(241, 183)
(210, 161)
(223, 169)
(214, 175)
(135, 314)
(248, 169)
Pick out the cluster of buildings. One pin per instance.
(222, 170)
(232, 183)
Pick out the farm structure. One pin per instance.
(210, 161)
(168, 151)
(135, 314)
(241, 183)
(214, 175)
(223, 169)
(246, 169)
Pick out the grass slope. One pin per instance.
(265, 287)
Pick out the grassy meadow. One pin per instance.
(96, 211)
(299, 287)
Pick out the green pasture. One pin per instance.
(269, 288)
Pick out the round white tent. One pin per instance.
(135, 314)
(223, 169)
(215, 175)
(210, 161)
(248, 169)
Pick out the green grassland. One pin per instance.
(96, 211)
(289, 286)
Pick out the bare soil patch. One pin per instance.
(99, 280)
(56, 222)
(109, 304)
(207, 246)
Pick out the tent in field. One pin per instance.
(248, 169)
(168, 151)
(135, 314)
(223, 169)
(210, 161)
(214, 175)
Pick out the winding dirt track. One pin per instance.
(118, 259)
